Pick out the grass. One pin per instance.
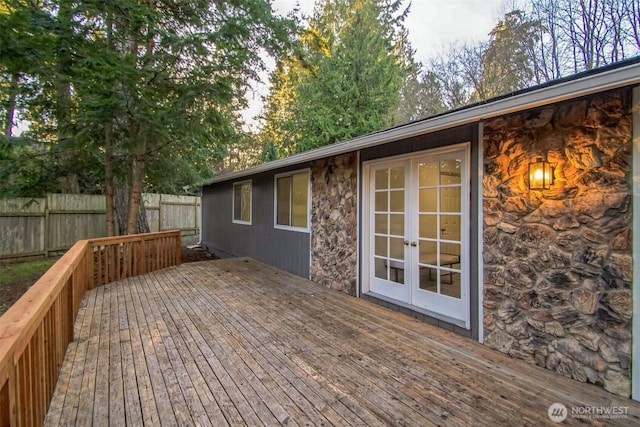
(25, 270)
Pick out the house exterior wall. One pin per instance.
(334, 222)
(285, 249)
(558, 263)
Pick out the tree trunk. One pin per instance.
(108, 148)
(135, 193)
(121, 206)
(64, 63)
(139, 135)
(120, 203)
(108, 170)
(143, 223)
(11, 108)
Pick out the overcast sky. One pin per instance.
(433, 25)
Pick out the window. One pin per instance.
(242, 202)
(292, 200)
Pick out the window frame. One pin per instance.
(233, 202)
(307, 229)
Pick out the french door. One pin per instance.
(416, 245)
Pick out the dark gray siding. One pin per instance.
(288, 250)
(419, 143)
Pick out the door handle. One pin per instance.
(414, 244)
(406, 243)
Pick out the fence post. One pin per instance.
(160, 213)
(45, 226)
(195, 215)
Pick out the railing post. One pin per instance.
(178, 248)
(143, 249)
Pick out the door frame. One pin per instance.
(366, 228)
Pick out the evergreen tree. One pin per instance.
(507, 63)
(345, 82)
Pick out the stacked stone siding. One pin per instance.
(334, 207)
(558, 263)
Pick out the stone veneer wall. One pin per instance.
(334, 207)
(558, 263)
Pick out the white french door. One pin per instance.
(388, 241)
(416, 246)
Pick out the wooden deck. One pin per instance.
(238, 342)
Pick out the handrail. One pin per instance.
(36, 330)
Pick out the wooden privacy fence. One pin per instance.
(36, 330)
(38, 226)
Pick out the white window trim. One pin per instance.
(306, 229)
(233, 203)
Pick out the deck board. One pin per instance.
(237, 342)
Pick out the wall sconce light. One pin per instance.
(541, 174)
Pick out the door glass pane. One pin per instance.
(428, 226)
(397, 201)
(428, 200)
(428, 280)
(283, 202)
(300, 196)
(381, 223)
(428, 174)
(396, 176)
(397, 225)
(396, 247)
(450, 252)
(396, 271)
(428, 252)
(381, 268)
(450, 227)
(450, 284)
(381, 246)
(450, 171)
(382, 179)
(382, 201)
(450, 199)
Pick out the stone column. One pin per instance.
(334, 207)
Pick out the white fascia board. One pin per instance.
(562, 91)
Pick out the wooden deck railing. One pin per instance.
(36, 330)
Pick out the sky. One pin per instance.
(433, 26)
